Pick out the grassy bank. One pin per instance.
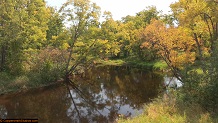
(10, 83)
(169, 110)
(158, 65)
(49, 74)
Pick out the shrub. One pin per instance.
(46, 66)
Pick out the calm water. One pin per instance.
(106, 92)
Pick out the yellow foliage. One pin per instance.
(102, 41)
(65, 46)
(173, 44)
(79, 44)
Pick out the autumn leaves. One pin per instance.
(173, 44)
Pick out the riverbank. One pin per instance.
(158, 65)
(171, 110)
(163, 109)
(110, 90)
(13, 84)
(10, 83)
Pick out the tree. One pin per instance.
(133, 25)
(174, 45)
(82, 15)
(142, 18)
(55, 27)
(10, 34)
(109, 31)
(22, 25)
(200, 17)
(36, 19)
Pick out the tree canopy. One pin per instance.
(47, 44)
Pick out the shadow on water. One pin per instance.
(101, 94)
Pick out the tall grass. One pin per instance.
(9, 83)
(169, 110)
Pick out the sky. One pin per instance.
(122, 8)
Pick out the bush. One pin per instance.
(10, 82)
(46, 66)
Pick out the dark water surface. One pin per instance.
(106, 93)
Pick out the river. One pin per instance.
(104, 94)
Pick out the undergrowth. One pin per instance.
(169, 109)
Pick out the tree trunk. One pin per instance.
(3, 57)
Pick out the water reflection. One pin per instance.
(106, 93)
(172, 82)
(3, 112)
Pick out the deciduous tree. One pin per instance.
(83, 16)
(173, 44)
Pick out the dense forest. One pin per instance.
(40, 44)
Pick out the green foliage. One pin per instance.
(46, 66)
(169, 110)
(55, 26)
(23, 25)
(158, 112)
(140, 64)
(142, 18)
(10, 83)
(109, 33)
(37, 49)
(111, 62)
(125, 62)
(160, 65)
(5, 77)
(132, 26)
(83, 17)
(200, 78)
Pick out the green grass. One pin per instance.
(118, 62)
(160, 65)
(121, 62)
(10, 83)
(140, 64)
(169, 110)
(157, 112)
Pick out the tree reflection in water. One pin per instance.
(100, 96)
